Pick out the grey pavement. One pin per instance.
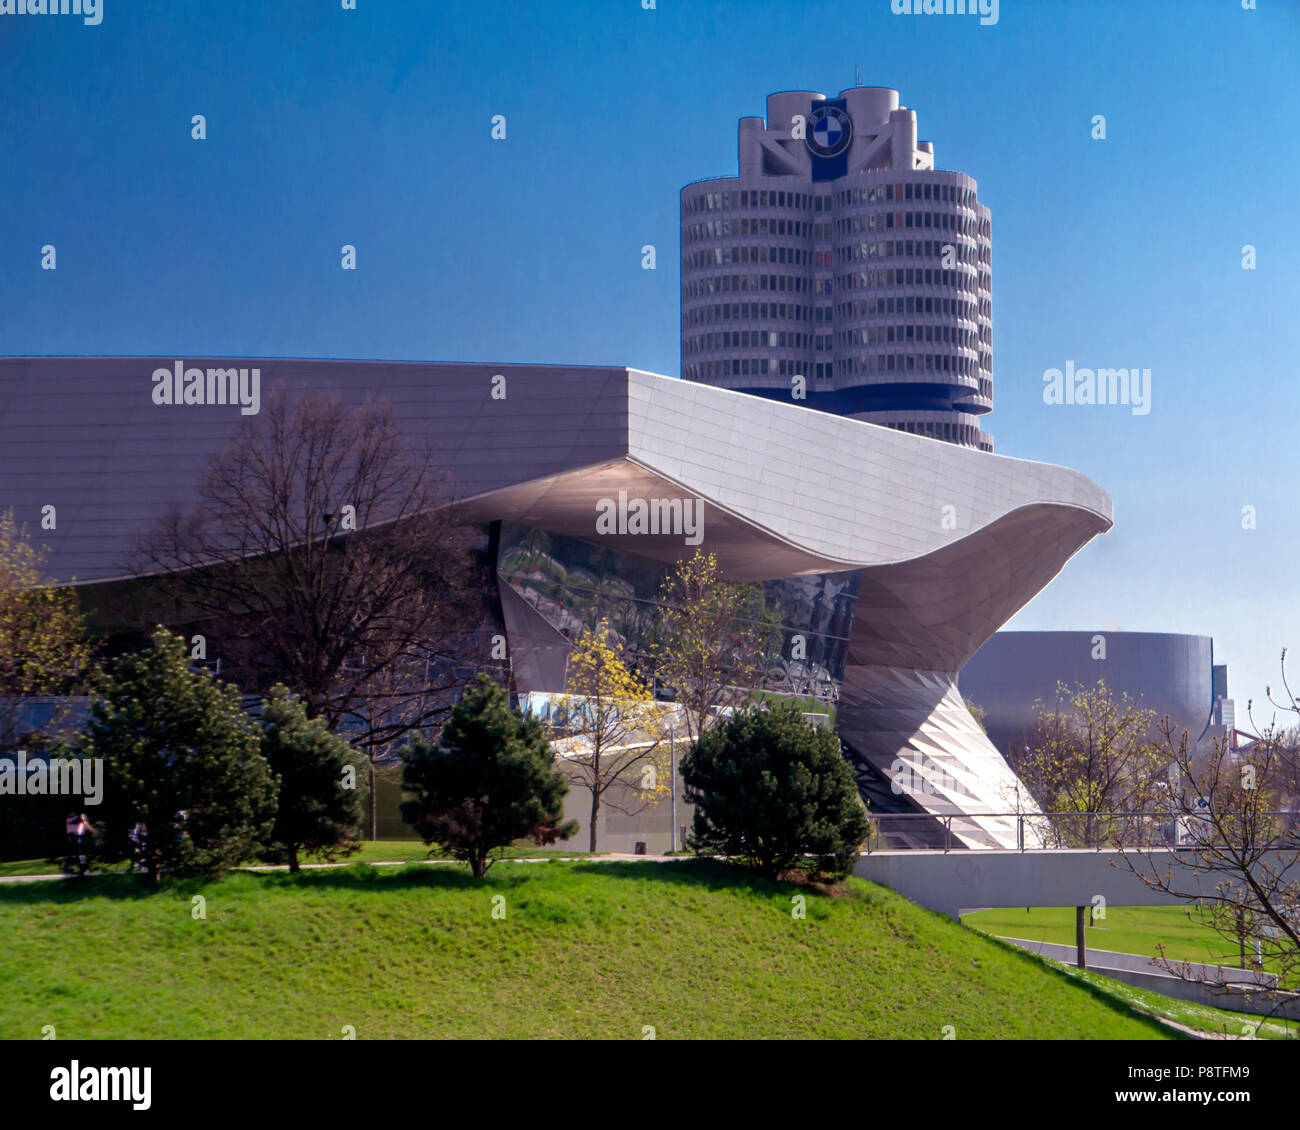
(1102, 960)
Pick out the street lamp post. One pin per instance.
(672, 788)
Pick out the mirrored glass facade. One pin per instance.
(574, 584)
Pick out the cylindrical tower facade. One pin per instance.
(842, 271)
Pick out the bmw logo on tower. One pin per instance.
(830, 131)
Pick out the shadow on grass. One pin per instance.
(102, 885)
(710, 875)
(118, 887)
(505, 874)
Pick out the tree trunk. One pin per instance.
(595, 811)
(374, 806)
(1080, 939)
(293, 859)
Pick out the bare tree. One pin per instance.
(1240, 858)
(326, 553)
(1238, 861)
(1284, 780)
(710, 639)
(1093, 755)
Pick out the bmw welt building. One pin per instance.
(894, 555)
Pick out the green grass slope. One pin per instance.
(694, 950)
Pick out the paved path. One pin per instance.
(30, 878)
(1102, 960)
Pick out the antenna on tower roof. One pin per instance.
(857, 75)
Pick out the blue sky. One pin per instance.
(372, 127)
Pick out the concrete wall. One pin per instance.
(619, 832)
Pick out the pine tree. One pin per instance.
(775, 793)
(187, 790)
(489, 781)
(319, 807)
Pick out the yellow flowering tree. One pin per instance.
(616, 732)
(43, 644)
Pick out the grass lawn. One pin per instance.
(693, 949)
(1199, 1016)
(809, 705)
(1125, 929)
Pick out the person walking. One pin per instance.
(77, 827)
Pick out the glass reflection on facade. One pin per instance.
(574, 584)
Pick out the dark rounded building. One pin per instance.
(1166, 672)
